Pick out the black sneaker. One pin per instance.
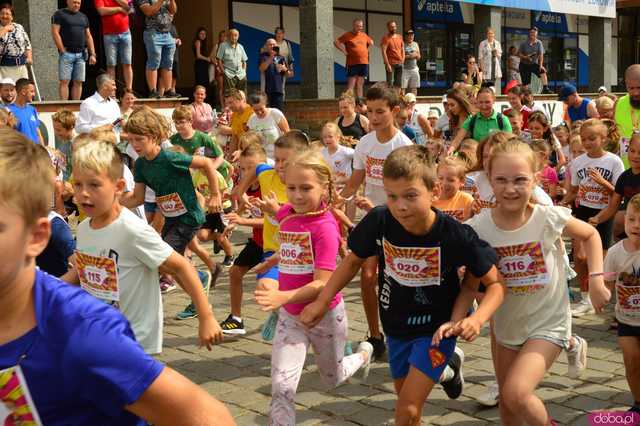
(379, 348)
(171, 94)
(216, 247)
(228, 261)
(453, 387)
(547, 91)
(153, 94)
(232, 326)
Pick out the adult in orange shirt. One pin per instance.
(355, 45)
(392, 46)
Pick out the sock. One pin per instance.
(447, 374)
(585, 297)
(239, 319)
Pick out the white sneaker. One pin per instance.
(491, 397)
(367, 348)
(581, 309)
(577, 358)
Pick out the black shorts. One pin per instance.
(605, 229)
(527, 69)
(358, 70)
(626, 330)
(177, 234)
(213, 221)
(250, 256)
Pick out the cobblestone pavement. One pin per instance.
(238, 371)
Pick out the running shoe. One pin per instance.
(269, 327)
(491, 397)
(577, 357)
(367, 348)
(453, 387)
(582, 308)
(232, 326)
(228, 261)
(379, 347)
(166, 285)
(188, 312)
(205, 281)
(215, 274)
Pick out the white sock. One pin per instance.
(239, 319)
(585, 297)
(447, 374)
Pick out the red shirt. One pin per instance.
(257, 230)
(525, 111)
(395, 48)
(113, 24)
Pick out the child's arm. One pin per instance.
(272, 298)
(357, 178)
(597, 178)
(133, 199)
(245, 183)
(570, 196)
(609, 211)
(71, 276)
(206, 165)
(209, 330)
(592, 244)
(236, 219)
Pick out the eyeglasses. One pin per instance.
(520, 182)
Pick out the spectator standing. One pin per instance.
(355, 45)
(70, 32)
(218, 70)
(26, 115)
(287, 52)
(393, 57)
(175, 66)
(15, 46)
(202, 58)
(234, 63)
(513, 65)
(489, 55)
(117, 37)
(410, 71)
(531, 53)
(578, 108)
(472, 74)
(202, 117)
(7, 91)
(274, 67)
(159, 43)
(101, 109)
(351, 123)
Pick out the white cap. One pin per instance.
(433, 113)
(602, 89)
(444, 98)
(7, 80)
(409, 98)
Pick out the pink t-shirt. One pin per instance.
(548, 177)
(307, 243)
(202, 117)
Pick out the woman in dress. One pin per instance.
(489, 54)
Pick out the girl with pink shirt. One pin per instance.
(309, 242)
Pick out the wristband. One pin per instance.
(596, 274)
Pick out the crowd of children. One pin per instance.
(453, 237)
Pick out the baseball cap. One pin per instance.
(7, 80)
(433, 113)
(566, 91)
(409, 98)
(602, 89)
(409, 31)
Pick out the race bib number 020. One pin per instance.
(296, 254)
(523, 266)
(98, 276)
(412, 266)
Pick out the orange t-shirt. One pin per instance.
(357, 47)
(395, 47)
(458, 207)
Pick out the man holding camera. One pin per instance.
(274, 67)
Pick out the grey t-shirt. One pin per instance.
(161, 21)
(409, 48)
(536, 49)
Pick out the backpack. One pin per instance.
(499, 119)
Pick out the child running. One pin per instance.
(451, 200)
(533, 324)
(340, 159)
(309, 240)
(419, 251)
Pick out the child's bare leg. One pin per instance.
(630, 346)
(225, 244)
(236, 273)
(413, 391)
(195, 247)
(368, 284)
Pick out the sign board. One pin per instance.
(599, 8)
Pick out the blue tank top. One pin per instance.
(579, 113)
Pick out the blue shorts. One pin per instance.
(272, 273)
(359, 70)
(150, 207)
(71, 66)
(418, 352)
(160, 50)
(118, 46)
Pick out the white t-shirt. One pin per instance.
(531, 261)
(137, 251)
(626, 266)
(340, 161)
(369, 156)
(483, 192)
(129, 185)
(591, 194)
(268, 128)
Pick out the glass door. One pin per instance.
(461, 46)
(432, 39)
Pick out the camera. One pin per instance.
(276, 49)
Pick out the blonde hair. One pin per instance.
(98, 156)
(492, 140)
(575, 140)
(540, 145)
(515, 147)
(103, 135)
(604, 102)
(613, 136)
(411, 162)
(66, 118)
(348, 96)
(634, 203)
(254, 150)
(183, 112)
(26, 177)
(595, 125)
(456, 163)
(145, 121)
(249, 138)
(333, 127)
(7, 118)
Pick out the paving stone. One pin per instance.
(459, 419)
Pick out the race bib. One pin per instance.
(456, 214)
(199, 151)
(374, 170)
(412, 266)
(98, 276)
(171, 205)
(593, 196)
(523, 267)
(485, 204)
(16, 405)
(624, 146)
(296, 254)
(628, 300)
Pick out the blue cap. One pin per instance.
(566, 91)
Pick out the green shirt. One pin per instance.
(169, 176)
(484, 126)
(201, 144)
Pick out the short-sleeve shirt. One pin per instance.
(307, 243)
(625, 265)
(410, 48)
(233, 57)
(273, 79)
(27, 119)
(239, 121)
(267, 127)
(395, 47)
(137, 251)
(627, 186)
(341, 161)
(527, 49)
(357, 47)
(418, 274)
(169, 176)
(82, 363)
(72, 29)
(161, 21)
(117, 23)
(485, 125)
(458, 206)
(201, 144)
(270, 181)
(54, 258)
(590, 193)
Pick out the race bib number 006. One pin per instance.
(296, 254)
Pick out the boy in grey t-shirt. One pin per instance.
(411, 73)
(531, 53)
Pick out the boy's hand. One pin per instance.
(313, 313)
(270, 299)
(269, 204)
(598, 293)
(234, 219)
(443, 332)
(209, 332)
(468, 328)
(363, 203)
(215, 203)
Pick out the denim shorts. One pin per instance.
(71, 66)
(160, 49)
(118, 46)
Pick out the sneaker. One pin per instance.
(379, 348)
(453, 387)
(205, 281)
(367, 348)
(166, 285)
(171, 94)
(228, 261)
(577, 358)
(581, 309)
(188, 312)
(491, 397)
(233, 326)
(269, 327)
(547, 91)
(216, 247)
(153, 94)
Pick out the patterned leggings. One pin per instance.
(290, 347)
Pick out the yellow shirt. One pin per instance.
(458, 206)
(201, 184)
(239, 121)
(270, 181)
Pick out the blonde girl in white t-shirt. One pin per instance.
(340, 159)
(533, 324)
